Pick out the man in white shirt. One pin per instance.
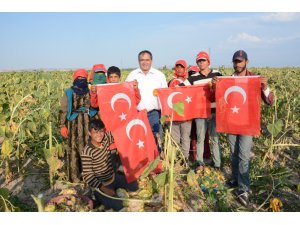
(149, 79)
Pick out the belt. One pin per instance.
(153, 110)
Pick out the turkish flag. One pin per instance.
(196, 100)
(136, 145)
(238, 105)
(116, 103)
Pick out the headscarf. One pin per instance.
(185, 73)
(98, 74)
(80, 86)
(80, 73)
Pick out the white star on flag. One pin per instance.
(188, 99)
(123, 116)
(140, 144)
(235, 109)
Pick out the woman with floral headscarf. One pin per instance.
(75, 115)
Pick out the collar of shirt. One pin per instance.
(248, 73)
(151, 71)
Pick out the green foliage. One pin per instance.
(150, 167)
(5, 204)
(275, 128)
(54, 163)
(6, 149)
(192, 180)
(161, 179)
(164, 118)
(4, 192)
(30, 109)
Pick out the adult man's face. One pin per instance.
(202, 64)
(239, 65)
(145, 62)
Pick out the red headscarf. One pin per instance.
(184, 64)
(80, 73)
(97, 67)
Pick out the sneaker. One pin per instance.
(243, 197)
(231, 184)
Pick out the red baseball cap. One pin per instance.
(203, 55)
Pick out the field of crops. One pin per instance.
(32, 152)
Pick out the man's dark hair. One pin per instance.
(96, 124)
(145, 52)
(113, 69)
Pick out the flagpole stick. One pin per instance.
(171, 172)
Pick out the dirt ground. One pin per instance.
(34, 181)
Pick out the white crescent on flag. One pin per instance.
(119, 96)
(235, 89)
(170, 98)
(133, 123)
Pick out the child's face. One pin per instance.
(97, 135)
(113, 78)
(180, 70)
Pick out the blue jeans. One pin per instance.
(202, 126)
(119, 182)
(154, 120)
(240, 159)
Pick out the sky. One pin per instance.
(75, 40)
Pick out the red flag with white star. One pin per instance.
(196, 100)
(136, 145)
(116, 103)
(238, 105)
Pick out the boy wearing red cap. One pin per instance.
(181, 130)
(75, 115)
(192, 70)
(203, 124)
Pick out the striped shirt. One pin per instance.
(97, 169)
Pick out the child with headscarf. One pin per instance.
(181, 130)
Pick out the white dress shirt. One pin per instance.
(147, 84)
